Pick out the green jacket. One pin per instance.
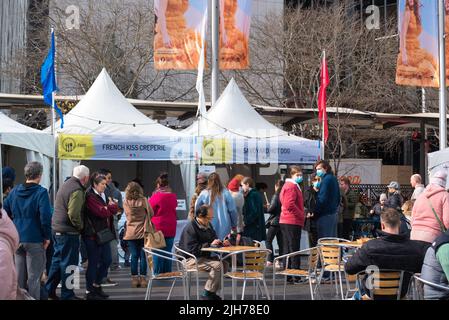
(350, 200)
(253, 216)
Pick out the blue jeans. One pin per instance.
(99, 257)
(66, 254)
(326, 226)
(136, 249)
(163, 265)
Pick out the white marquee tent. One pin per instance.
(105, 112)
(38, 145)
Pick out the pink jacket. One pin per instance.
(425, 226)
(164, 206)
(292, 211)
(9, 243)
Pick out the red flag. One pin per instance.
(324, 83)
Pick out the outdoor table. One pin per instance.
(226, 250)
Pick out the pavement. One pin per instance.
(123, 290)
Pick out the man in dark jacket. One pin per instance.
(199, 234)
(436, 268)
(327, 202)
(29, 206)
(67, 224)
(350, 200)
(391, 251)
(394, 200)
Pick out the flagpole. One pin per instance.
(53, 130)
(442, 63)
(215, 50)
(322, 124)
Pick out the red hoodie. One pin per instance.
(292, 211)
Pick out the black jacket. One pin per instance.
(274, 210)
(194, 237)
(394, 201)
(390, 251)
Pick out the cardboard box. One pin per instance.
(400, 174)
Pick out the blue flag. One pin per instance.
(48, 79)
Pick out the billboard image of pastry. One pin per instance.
(235, 21)
(177, 38)
(417, 62)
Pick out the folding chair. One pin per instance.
(418, 293)
(384, 284)
(181, 273)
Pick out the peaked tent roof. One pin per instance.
(105, 111)
(234, 117)
(15, 134)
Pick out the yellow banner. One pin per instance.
(177, 38)
(75, 147)
(235, 20)
(216, 151)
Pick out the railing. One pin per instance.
(370, 193)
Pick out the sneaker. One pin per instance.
(108, 283)
(53, 296)
(99, 291)
(93, 296)
(279, 265)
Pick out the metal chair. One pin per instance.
(253, 268)
(418, 293)
(181, 273)
(331, 253)
(190, 271)
(384, 284)
(311, 272)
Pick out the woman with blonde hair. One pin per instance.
(137, 211)
(220, 199)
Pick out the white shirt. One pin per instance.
(103, 196)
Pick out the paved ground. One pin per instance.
(123, 290)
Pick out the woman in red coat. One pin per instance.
(164, 203)
(292, 215)
(98, 218)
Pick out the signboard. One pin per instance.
(90, 147)
(207, 169)
(181, 205)
(361, 171)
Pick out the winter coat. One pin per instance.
(328, 198)
(164, 204)
(395, 201)
(274, 210)
(195, 237)
(425, 226)
(239, 200)
(9, 243)
(292, 203)
(98, 215)
(253, 216)
(225, 211)
(136, 212)
(350, 201)
(433, 271)
(29, 206)
(390, 251)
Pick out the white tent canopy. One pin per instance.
(105, 111)
(38, 145)
(234, 118)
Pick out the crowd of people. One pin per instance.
(38, 240)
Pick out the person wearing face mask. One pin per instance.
(328, 201)
(310, 205)
(292, 216)
(253, 212)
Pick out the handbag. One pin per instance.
(152, 238)
(103, 236)
(442, 227)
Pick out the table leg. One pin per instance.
(234, 282)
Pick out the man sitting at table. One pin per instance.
(199, 234)
(392, 250)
